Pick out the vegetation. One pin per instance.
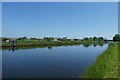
(23, 41)
(85, 44)
(106, 65)
(116, 37)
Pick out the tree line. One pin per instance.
(116, 37)
(52, 38)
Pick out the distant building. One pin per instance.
(7, 41)
(55, 40)
(71, 39)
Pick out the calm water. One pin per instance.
(51, 62)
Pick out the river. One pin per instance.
(49, 62)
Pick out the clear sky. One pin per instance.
(70, 19)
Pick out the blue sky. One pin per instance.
(70, 19)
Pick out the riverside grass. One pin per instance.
(37, 42)
(106, 65)
(45, 42)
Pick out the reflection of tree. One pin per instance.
(86, 44)
(94, 44)
(49, 47)
(98, 44)
(13, 49)
(101, 44)
(90, 44)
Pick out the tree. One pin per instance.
(91, 38)
(22, 38)
(64, 39)
(100, 38)
(85, 39)
(116, 37)
(34, 39)
(94, 38)
(48, 38)
(4, 39)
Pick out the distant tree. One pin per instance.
(64, 39)
(116, 37)
(100, 38)
(34, 39)
(22, 38)
(4, 39)
(52, 38)
(91, 38)
(59, 39)
(94, 38)
(85, 39)
(48, 38)
(75, 39)
(19, 38)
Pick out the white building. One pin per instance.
(55, 40)
(7, 41)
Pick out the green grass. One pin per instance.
(45, 42)
(106, 65)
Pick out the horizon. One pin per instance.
(60, 19)
(56, 37)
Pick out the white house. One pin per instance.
(7, 41)
(55, 40)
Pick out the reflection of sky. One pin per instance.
(50, 47)
(64, 61)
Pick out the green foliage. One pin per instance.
(94, 38)
(24, 41)
(48, 38)
(116, 37)
(22, 38)
(4, 39)
(85, 39)
(100, 38)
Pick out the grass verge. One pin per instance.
(106, 65)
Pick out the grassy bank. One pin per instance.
(45, 42)
(38, 43)
(106, 65)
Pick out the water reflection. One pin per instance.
(65, 61)
(86, 45)
(12, 49)
(49, 47)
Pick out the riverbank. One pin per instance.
(22, 43)
(106, 65)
